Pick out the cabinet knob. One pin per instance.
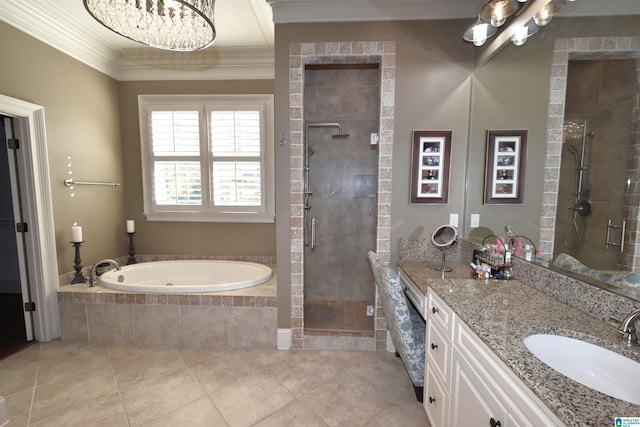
(434, 310)
(494, 423)
(432, 400)
(434, 346)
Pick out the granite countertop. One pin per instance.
(503, 313)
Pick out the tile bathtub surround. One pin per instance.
(126, 385)
(240, 318)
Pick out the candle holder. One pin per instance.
(77, 266)
(132, 250)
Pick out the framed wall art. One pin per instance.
(506, 155)
(430, 157)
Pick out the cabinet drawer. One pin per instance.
(440, 313)
(436, 399)
(438, 349)
(413, 293)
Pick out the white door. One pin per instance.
(14, 178)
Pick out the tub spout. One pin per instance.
(94, 277)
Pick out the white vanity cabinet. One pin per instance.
(466, 384)
(486, 392)
(438, 347)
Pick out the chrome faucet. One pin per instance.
(93, 276)
(628, 329)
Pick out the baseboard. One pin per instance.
(284, 338)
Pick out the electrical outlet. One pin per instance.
(475, 221)
(369, 310)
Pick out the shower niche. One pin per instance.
(341, 112)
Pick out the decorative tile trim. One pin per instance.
(104, 297)
(384, 53)
(564, 50)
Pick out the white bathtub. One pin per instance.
(186, 276)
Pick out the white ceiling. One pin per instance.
(245, 32)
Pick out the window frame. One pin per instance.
(204, 104)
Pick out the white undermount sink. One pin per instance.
(591, 365)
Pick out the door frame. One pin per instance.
(42, 263)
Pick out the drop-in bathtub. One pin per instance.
(186, 276)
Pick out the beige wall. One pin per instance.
(511, 91)
(82, 122)
(433, 67)
(185, 238)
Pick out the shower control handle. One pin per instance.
(313, 232)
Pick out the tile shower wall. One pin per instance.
(602, 93)
(343, 177)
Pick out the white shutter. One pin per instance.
(236, 148)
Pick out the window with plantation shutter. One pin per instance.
(207, 157)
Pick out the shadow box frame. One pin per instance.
(430, 166)
(505, 167)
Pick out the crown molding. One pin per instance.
(61, 31)
(290, 11)
(218, 64)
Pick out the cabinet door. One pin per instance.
(473, 404)
(436, 399)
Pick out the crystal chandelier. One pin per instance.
(180, 25)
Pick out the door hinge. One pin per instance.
(30, 306)
(22, 227)
(13, 143)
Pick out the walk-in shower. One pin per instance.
(576, 136)
(339, 198)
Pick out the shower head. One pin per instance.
(340, 135)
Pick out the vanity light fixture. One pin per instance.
(528, 17)
(177, 25)
(478, 32)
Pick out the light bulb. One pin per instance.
(479, 34)
(519, 36)
(543, 17)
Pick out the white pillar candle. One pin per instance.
(131, 226)
(76, 234)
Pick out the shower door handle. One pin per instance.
(622, 230)
(313, 232)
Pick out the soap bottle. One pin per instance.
(528, 253)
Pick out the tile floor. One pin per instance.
(60, 384)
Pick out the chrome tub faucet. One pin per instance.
(93, 278)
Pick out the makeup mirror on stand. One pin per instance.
(444, 238)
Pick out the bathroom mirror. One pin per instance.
(553, 164)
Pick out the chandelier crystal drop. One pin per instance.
(178, 25)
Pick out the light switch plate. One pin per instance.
(475, 221)
(453, 220)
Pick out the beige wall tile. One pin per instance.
(73, 322)
(110, 323)
(156, 324)
(204, 326)
(252, 327)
